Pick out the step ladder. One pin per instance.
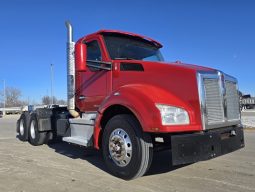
(82, 130)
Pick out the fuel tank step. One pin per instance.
(77, 140)
(81, 132)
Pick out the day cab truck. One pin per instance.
(124, 100)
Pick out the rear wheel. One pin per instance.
(52, 138)
(22, 126)
(127, 151)
(35, 137)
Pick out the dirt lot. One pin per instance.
(63, 167)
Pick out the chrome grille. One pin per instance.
(232, 100)
(213, 101)
(219, 100)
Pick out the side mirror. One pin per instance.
(80, 57)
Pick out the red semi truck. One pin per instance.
(126, 101)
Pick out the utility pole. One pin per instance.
(52, 96)
(4, 97)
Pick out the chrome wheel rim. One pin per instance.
(21, 127)
(32, 130)
(120, 147)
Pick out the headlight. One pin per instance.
(173, 115)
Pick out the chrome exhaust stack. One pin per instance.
(70, 72)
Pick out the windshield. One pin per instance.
(128, 47)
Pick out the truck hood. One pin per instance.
(178, 65)
(171, 83)
(177, 78)
(168, 65)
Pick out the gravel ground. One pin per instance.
(248, 122)
(248, 118)
(63, 168)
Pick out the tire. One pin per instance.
(52, 138)
(35, 137)
(22, 126)
(127, 151)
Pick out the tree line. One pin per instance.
(13, 98)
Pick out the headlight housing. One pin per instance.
(173, 115)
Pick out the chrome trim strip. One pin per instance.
(201, 98)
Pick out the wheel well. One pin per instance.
(111, 112)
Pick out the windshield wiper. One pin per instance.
(124, 58)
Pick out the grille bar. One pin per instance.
(213, 98)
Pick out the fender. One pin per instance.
(141, 100)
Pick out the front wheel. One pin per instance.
(127, 151)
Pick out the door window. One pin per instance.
(94, 53)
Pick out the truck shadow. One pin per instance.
(75, 152)
(161, 162)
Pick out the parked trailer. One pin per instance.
(11, 110)
(248, 103)
(125, 100)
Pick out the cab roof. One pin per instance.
(103, 31)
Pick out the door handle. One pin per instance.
(82, 97)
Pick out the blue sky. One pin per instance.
(215, 33)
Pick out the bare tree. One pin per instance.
(1, 99)
(12, 97)
(46, 100)
(61, 102)
(55, 100)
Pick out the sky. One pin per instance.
(214, 33)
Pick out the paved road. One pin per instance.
(62, 167)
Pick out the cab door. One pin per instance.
(93, 82)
